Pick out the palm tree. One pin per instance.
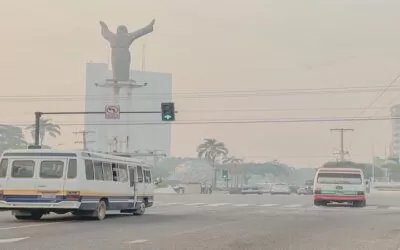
(233, 162)
(45, 127)
(212, 150)
(11, 137)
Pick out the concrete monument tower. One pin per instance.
(120, 43)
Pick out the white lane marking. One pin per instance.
(218, 204)
(394, 208)
(268, 205)
(28, 226)
(371, 207)
(194, 204)
(2, 241)
(241, 205)
(292, 206)
(136, 242)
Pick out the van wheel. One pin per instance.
(33, 216)
(140, 211)
(359, 203)
(100, 213)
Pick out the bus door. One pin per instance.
(132, 181)
(140, 185)
(3, 173)
(50, 179)
(20, 183)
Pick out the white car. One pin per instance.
(280, 188)
(251, 190)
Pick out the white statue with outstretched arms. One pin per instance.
(120, 43)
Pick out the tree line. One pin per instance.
(12, 137)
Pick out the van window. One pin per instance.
(89, 170)
(339, 178)
(123, 173)
(150, 179)
(3, 168)
(140, 174)
(72, 169)
(22, 169)
(132, 176)
(114, 168)
(107, 171)
(98, 170)
(51, 169)
(147, 177)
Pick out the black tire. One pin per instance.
(101, 210)
(359, 203)
(140, 210)
(33, 216)
(317, 203)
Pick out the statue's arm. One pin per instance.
(143, 31)
(105, 32)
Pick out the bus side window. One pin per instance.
(72, 169)
(132, 176)
(108, 173)
(89, 170)
(140, 174)
(147, 178)
(3, 168)
(114, 171)
(123, 173)
(150, 177)
(98, 170)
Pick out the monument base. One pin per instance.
(110, 83)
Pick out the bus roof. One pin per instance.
(340, 170)
(68, 153)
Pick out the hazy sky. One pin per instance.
(212, 46)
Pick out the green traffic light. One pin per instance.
(167, 117)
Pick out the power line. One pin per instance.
(199, 95)
(205, 122)
(387, 87)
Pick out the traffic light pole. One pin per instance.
(38, 115)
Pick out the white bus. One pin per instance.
(34, 182)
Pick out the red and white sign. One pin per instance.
(112, 112)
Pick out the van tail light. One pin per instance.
(73, 195)
(317, 191)
(1, 195)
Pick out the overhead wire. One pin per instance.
(388, 86)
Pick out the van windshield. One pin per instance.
(339, 178)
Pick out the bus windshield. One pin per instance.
(339, 178)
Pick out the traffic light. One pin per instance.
(225, 174)
(167, 111)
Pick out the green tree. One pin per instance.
(45, 127)
(212, 150)
(11, 137)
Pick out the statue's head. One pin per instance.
(122, 29)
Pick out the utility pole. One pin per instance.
(342, 130)
(84, 141)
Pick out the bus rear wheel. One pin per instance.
(359, 203)
(140, 210)
(101, 210)
(33, 216)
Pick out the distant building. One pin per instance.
(131, 131)
(395, 144)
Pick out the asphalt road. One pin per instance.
(219, 221)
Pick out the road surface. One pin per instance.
(219, 221)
